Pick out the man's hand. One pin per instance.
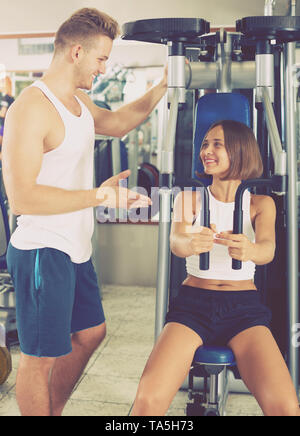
(111, 195)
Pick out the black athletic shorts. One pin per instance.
(218, 316)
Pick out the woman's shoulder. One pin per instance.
(261, 202)
(188, 203)
(188, 195)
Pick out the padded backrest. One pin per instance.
(212, 108)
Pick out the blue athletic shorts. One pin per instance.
(54, 298)
(218, 316)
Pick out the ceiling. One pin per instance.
(34, 16)
(19, 17)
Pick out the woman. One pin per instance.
(221, 305)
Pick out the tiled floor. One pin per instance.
(108, 385)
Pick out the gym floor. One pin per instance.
(108, 385)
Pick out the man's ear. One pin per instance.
(76, 52)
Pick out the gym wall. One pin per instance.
(31, 16)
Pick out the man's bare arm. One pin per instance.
(128, 117)
(26, 127)
(25, 130)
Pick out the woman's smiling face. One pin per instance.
(213, 153)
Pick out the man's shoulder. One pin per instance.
(30, 93)
(31, 100)
(31, 108)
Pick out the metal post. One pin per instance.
(224, 83)
(163, 261)
(213, 393)
(292, 208)
(293, 4)
(269, 7)
(279, 154)
(165, 199)
(133, 154)
(116, 156)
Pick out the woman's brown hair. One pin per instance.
(243, 151)
(84, 25)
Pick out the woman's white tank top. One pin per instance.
(220, 263)
(70, 166)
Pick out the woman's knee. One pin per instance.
(281, 407)
(150, 401)
(145, 404)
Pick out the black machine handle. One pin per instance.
(237, 229)
(238, 209)
(204, 257)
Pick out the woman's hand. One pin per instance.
(201, 238)
(239, 246)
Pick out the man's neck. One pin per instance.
(59, 78)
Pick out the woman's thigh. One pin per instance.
(264, 370)
(169, 362)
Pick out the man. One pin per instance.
(6, 97)
(48, 170)
(6, 100)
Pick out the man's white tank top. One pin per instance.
(220, 263)
(70, 166)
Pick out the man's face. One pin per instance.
(91, 61)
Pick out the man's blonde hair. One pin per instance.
(83, 26)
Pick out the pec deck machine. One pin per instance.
(252, 74)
